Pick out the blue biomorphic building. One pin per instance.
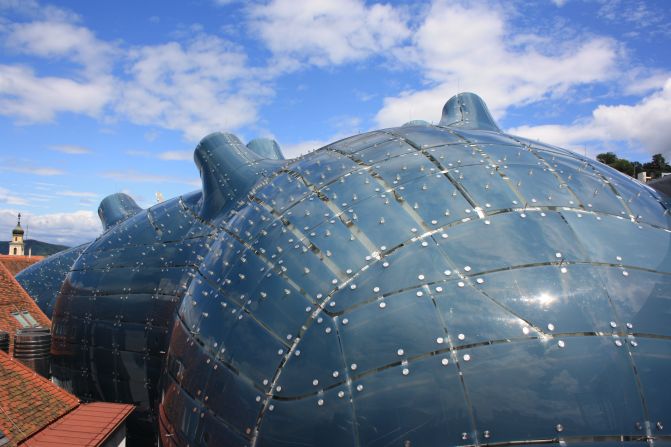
(426, 285)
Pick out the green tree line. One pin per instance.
(653, 168)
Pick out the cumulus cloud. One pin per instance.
(325, 32)
(198, 88)
(35, 170)
(165, 155)
(32, 98)
(642, 80)
(35, 10)
(83, 194)
(58, 228)
(195, 87)
(138, 153)
(479, 58)
(8, 197)
(62, 40)
(637, 14)
(176, 155)
(204, 83)
(644, 126)
(303, 147)
(70, 149)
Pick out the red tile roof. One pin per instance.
(88, 425)
(17, 263)
(35, 412)
(13, 298)
(28, 401)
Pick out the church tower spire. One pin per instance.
(16, 245)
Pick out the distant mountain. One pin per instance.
(38, 248)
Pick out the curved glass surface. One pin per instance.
(416, 286)
(43, 280)
(430, 285)
(112, 319)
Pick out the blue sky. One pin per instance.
(107, 96)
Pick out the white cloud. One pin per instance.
(302, 148)
(11, 197)
(31, 197)
(70, 149)
(62, 40)
(636, 15)
(138, 153)
(44, 186)
(323, 32)
(35, 10)
(306, 146)
(84, 194)
(35, 170)
(644, 126)
(176, 155)
(58, 228)
(642, 80)
(165, 155)
(197, 88)
(345, 124)
(151, 135)
(32, 98)
(41, 171)
(479, 58)
(559, 3)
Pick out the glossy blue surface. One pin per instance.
(415, 286)
(43, 280)
(113, 315)
(429, 285)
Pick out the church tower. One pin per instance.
(16, 243)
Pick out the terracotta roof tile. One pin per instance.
(13, 298)
(17, 263)
(88, 425)
(28, 401)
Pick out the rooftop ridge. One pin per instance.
(29, 400)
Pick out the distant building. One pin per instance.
(16, 246)
(643, 177)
